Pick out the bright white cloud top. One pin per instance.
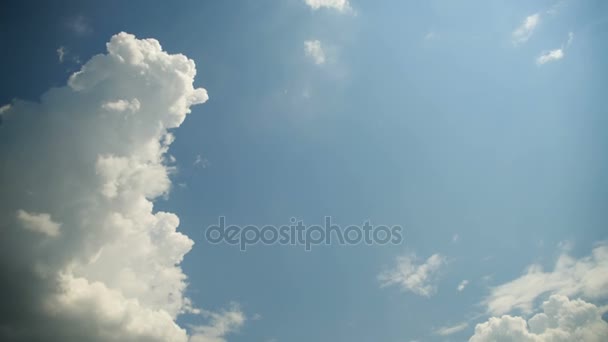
(409, 275)
(91, 260)
(561, 320)
(340, 5)
(586, 277)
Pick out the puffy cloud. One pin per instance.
(340, 5)
(586, 277)
(462, 285)
(105, 266)
(450, 330)
(526, 29)
(314, 50)
(417, 278)
(562, 319)
(550, 56)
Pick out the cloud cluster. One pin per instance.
(586, 277)
(84, 256)
(562, 320)
(411, 276)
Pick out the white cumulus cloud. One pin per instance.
(586, 277)
(409, 275)
(71, 169)
(561, 320)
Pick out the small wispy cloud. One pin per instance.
(61, 52)
(79, 25)
(570, 38)
(5, 108)
(220, 325)
(526, 29)
(462, 285)
(556, 54)
(314, 50)
(449, 330)
(419, 278)
(550, 56)
(201, 162)
(431, 35)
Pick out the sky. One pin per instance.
(129, 128)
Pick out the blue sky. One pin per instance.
(443, 118)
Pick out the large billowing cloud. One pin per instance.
(586, 277)
(562, 320)
(84, 256)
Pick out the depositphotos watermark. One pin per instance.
(298, 234)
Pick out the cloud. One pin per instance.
(220, 325)
(562, 319)
(410, 276)
(79, 25)
(570, 38)
(550, 56)
(5, 108)
(201, 162)
(121, 105)
(40, 223)
(104, 266)
(556, 54)
(314, 50)
(449, 330)
(462, 285)
(61, 52)
(339, 5)
(526, 29)
(586, 277)
(431, 35)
